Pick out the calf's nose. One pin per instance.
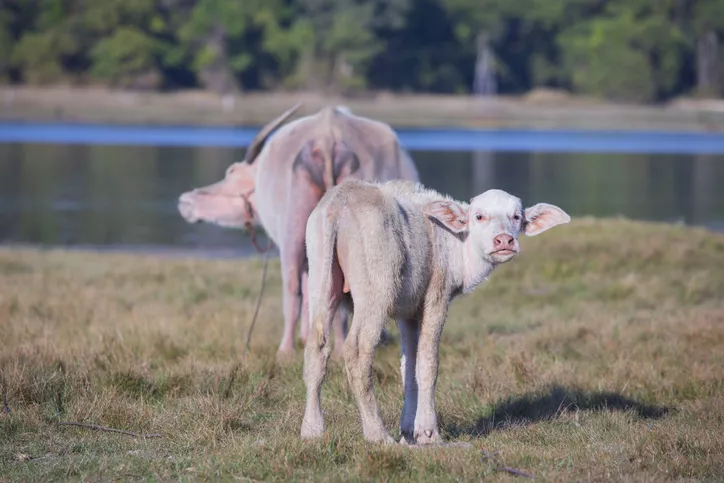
(504, 242)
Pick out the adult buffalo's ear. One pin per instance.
(541, 217)
(449, 214)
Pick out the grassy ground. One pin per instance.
(598, 355)
(539, 109)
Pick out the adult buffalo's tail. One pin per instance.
(328, 147)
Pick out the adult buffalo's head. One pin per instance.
(230, 202)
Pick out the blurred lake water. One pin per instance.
(92, 187)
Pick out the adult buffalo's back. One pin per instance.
(283, 177)
(308, 156)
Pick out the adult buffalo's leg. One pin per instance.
(292, 258)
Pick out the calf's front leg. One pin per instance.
(409, 334)
(433, 319)
(340, 331)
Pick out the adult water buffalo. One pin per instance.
(281, 180)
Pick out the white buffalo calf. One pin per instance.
(399, 250)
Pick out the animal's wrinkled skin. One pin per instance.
(404, 252)
(281, 180)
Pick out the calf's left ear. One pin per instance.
(541, 217)
(449, 213)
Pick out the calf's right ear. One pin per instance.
(449, 213)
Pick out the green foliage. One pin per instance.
(123, 56)
(215, 34)
(339, 42)
(6, 44)
(38, 55)
(631, 53)
(631, 50)
(472, 17)
(707, 15)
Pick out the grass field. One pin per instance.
(597, 355)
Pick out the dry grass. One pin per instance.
(598, 355)
(536, 110)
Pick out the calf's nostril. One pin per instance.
(504, 241)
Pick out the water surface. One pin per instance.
(124, 196)
(517, 140)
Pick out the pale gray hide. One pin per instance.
(283, 177)
(405, 252)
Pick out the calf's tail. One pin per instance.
(325, 275)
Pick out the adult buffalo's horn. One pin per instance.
(257, 143)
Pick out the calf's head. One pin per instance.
(490, 225)
(229, 203)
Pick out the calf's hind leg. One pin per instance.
(316, 353)
(304, 326)
(359, 348)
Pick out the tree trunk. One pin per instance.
(483, 175)
(307, 71)
(484, 83)
(342, 72)
(217, 75)
(707, 68)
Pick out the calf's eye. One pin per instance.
(516, 217)
(478, 216)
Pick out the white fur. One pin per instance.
(405, 252)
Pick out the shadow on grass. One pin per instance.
(551, 403)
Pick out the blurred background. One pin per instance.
(484, 93)
(634, 50)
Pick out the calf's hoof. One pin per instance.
(379, 435)
(428, 436)
(383, 439)
(311, 430)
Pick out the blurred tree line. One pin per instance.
(632, 50)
